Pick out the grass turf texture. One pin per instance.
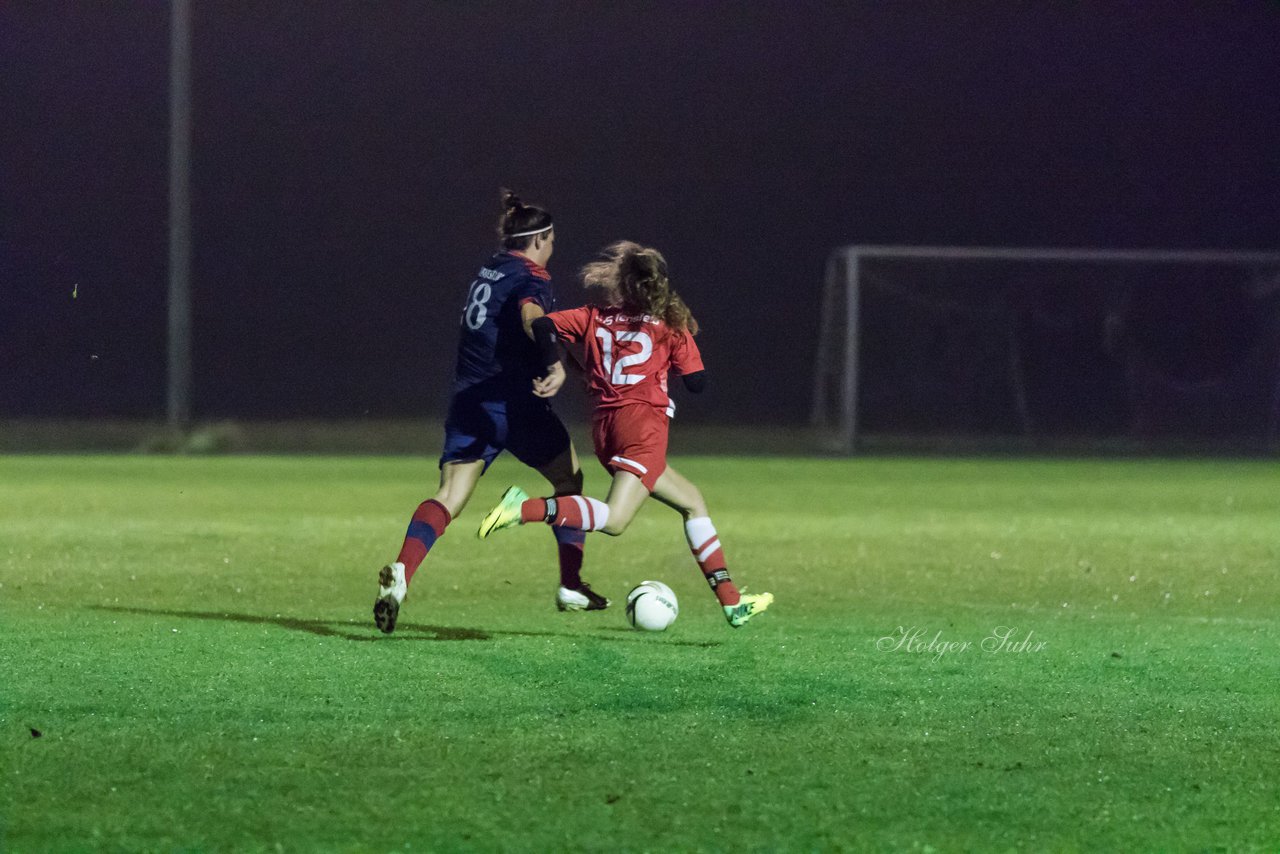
(192, 640)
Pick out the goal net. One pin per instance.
(1147, 349)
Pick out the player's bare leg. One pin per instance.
(626, 496)
(678, 492)
(564, 473)
(457, 482)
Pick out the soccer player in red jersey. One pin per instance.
(497, 406)
(643, 333)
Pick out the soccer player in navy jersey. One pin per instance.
(499, 403)
(631, 344)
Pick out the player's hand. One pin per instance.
(550, 384)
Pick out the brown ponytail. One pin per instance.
(634, 278)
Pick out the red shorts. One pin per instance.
(632, 438)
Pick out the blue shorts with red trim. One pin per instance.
(479, 427)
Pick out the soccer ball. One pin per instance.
(652, 606)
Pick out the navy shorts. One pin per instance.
(479, 429)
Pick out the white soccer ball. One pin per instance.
(652, 606)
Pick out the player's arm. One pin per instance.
(695, 382)
(686, 360)
(529, 312)
(548, 332)
(543, 332)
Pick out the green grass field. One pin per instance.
(191, 639)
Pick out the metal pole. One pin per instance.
(179, 400)
(1273, 417)
(821, 367)
(849, 401)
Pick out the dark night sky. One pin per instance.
(348, 156)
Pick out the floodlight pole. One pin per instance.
(179, 398)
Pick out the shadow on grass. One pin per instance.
(352, 632)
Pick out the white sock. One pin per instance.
(600, 511)
(594, 514)
(702, 537)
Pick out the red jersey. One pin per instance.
(627, 356)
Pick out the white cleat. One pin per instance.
(581, 599)
(391, 592)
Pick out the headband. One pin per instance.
(530, 233)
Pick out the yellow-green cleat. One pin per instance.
(748, 606)
(505, 515)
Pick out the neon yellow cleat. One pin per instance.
(506, 514)
(748, 606)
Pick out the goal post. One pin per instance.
(999, 341)
(835, 376)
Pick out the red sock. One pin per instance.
(722, 585)
(426, 526)
(533, 510)
(704, 542)
(569, 544)
(566, 511)
(569, 540)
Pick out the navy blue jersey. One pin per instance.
(493, 348)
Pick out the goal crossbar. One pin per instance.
(996, 253)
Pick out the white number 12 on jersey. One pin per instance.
(613, 369)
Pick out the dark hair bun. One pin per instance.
(519, 218)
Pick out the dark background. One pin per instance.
(347, 159)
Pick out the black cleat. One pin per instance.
(391, 590)
(581, 598)
(385, 613)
